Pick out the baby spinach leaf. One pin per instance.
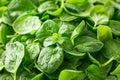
(115, 26)
(111, 49)
(67, 44)
(26, 24)
(76, 75)
(56, 12)
(49, 41)
(48, 5)
(16, 8)
(14, 55)
(77, 31)
(66, 29)
(104, 33)
(50, 59)
(33, 50)
(47, 29)
(89, 44)
(97, 73)
(99, 14)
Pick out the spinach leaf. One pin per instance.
(48, 5)
(99, 15)
(16, 8)
(47, 29)
(77, 31)
(66, 29)
(14, 55)
(97, 73)
(115, 26)
(33, 50)
(89, 44)
(104, 33)
(111, 49)
(50, 59)
(76, 75)
(26, 24)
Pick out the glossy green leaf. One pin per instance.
(47, 29)
(97, 73)
(89, 44)
(50, 59)
(104, 33)
(116, 71)
(115, 26)
(26, 24)
(71, 75)
(33, 50)
(77, 31)
(14, 55)
(111, 49)
(48, 5)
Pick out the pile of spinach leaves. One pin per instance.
(59, 39)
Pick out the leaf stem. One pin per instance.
(106, 63)
(14, 75)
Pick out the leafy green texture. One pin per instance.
(59, 39)
(115, 26)
(26, 24)
(76, 75)
(47, 29)
(104, 33)
(48, 63)
(111, 49)
(77, 31)
(88, 44)
(14, 55)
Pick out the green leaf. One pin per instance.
(97, 73)
(14, 54)
(49, 41)
(93, 60)
(56, 12)
(50, 59)
(66, 29)
(6, 76)
(67, 17)
(111, 78)
(111, 49)
(33, 50)
(26, 24)
(4, 31)
(47, 29)
(104, 33)
(16, 8)
(48, 5)
(38, 77)
(77, 2)
(99, 14)
(71, 75)
(116, 71)
(88, 44)
(115, 26)
(77, 31)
